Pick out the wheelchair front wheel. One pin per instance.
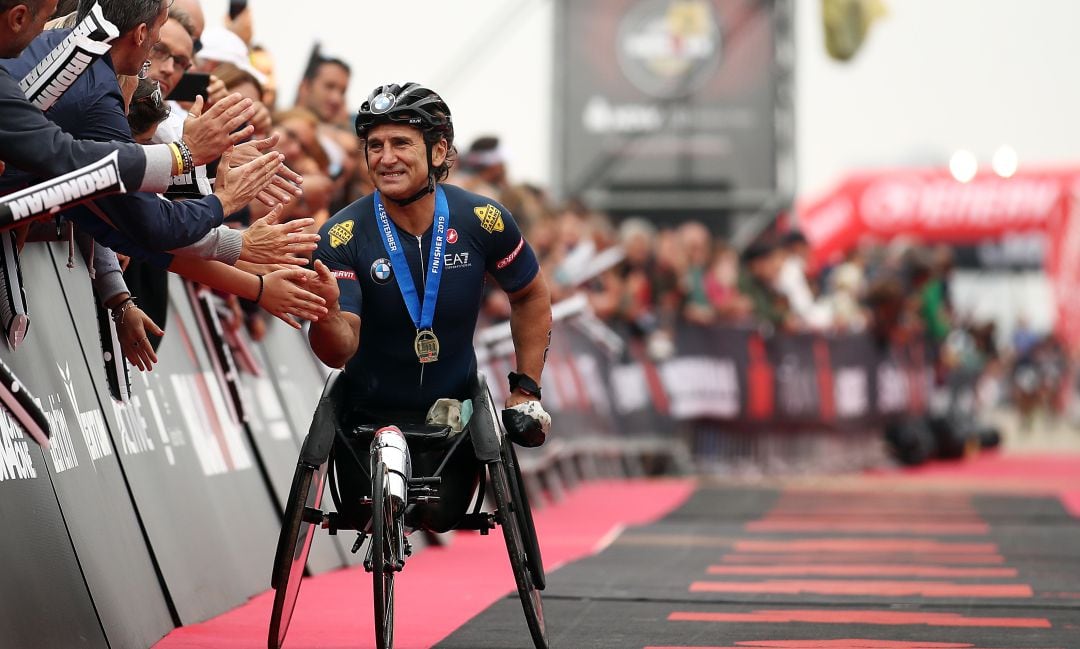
(510, 520)
(294, 544)
(524, 515)
(386, 555)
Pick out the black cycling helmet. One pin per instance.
(416, 106)
(411, 104)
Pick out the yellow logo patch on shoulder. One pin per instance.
(490, 218)
(341, 234)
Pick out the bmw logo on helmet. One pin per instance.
(381, 271)
(383, 102)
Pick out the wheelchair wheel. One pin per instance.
(514, 534)
(386, 555)
(524, 515)
(294, 544)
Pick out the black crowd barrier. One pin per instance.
(159, 498)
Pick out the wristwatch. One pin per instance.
(524, 383)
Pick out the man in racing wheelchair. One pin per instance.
(402, 272)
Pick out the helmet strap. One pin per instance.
(423, 191)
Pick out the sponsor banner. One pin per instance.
(205, 507)
(795, 372)
(43, 595)
(666, 95)
(87, 42)
(931, 205)
(707, 377)
(298, 377)
(852, 369)
(51, 196)
(83, 459)
(272, 428)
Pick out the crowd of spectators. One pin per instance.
(643, 279)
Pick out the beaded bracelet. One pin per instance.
(185, 153)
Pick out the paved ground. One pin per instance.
(983, 554)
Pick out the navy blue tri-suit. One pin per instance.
(385, 375)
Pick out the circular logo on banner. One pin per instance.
(669, 48)
(381, 270)
(451, 236)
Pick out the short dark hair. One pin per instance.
(125, 14)
(316, 63)
(184, 18)
(32, 5)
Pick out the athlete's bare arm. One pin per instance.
(335, 337)
(530, 324)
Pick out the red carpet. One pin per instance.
(441, 588)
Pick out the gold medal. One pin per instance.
(426, 346)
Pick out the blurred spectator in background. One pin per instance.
(263, 61)
(793, 284)
(847, 288)
(323, 88)
(696, 243)
(297, 131)
(221, 46)
(762, 262)
(722, 285)
(483, 169)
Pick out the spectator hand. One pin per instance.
(268, 241)
(131, 333)
(261, 121)
(284, 187)
(235, 187)
(283, 296)
(209, 134)
(215, 91)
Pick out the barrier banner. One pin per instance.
(83, 457)
(852, 366)
(41, 576)
(297, 378)
(798, 391)
(206, 509)
(708, 377)
(638, 399)
(737, 375)
(271, 430)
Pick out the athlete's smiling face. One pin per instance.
(397, 159)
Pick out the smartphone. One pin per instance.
(236, 7)
(190, 86)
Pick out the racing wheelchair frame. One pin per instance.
(394, 491)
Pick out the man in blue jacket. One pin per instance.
(29, 141)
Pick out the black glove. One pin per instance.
(523, 429)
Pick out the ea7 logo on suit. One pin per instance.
(456, 260)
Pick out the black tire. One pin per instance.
(531, 601)
(523, 512)
(384, 556)
(294, 544)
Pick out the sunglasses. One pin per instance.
(153, 98)
(162, 53)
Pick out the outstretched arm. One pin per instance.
(336, 336)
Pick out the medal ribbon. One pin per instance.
(422, 315)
